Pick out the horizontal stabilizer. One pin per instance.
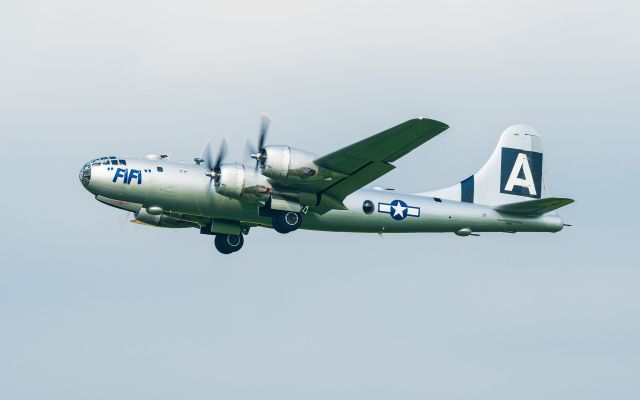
(534, 207)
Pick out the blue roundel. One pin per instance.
(399, 210)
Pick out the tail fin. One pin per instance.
(512, 174)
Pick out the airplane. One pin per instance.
(289, 189)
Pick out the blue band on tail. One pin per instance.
(467, 190)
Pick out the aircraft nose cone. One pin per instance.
(85, 174)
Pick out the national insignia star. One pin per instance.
(398, 209)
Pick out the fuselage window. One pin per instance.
(437, 199)
(160, 169)
(368, 207)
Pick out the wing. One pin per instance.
(365, 161)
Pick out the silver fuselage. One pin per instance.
(185, 189)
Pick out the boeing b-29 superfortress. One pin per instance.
(288, 189)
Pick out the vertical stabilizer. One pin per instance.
(512, 174)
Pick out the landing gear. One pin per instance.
(286, 221)
(227, 244)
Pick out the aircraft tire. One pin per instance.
(286, 221)
(227, 244)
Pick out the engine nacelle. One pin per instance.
(162, 221)
(284, 162)
(237, 182)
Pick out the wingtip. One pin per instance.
(431, 121)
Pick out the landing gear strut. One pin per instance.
(286, 221)
(227, 244)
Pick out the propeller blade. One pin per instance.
(127, 216)
(213, 161)
(265, 120)
(222, 153)
(249, 150)
(207, 155)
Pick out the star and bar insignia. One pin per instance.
(399, 210)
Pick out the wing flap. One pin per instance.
(332, 197)
(534, 207)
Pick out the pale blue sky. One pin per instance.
(92, 307)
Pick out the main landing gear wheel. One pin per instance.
(286, 221)
(227, 244)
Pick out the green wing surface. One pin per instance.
(365, 161)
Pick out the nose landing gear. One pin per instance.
(286, 221)
(227, 244)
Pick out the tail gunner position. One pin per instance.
(288, 189)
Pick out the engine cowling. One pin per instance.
(237, 182)
(284, 163)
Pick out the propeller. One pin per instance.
(213, 162)
(249, 150)
(258, 153)
(127, 216)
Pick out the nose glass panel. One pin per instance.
(85, 174)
